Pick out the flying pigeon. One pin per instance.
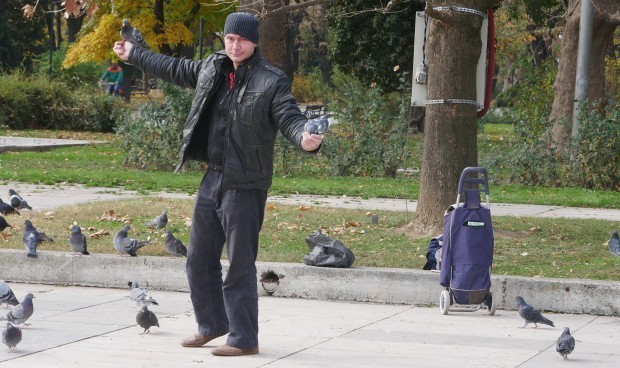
(174, 246)
(7, 209)
(125, 245)
(614, 244)
(158, 222)
(317, 125)
(11, 336)
(3, 224)
(565, 344)
(78, 240)
(131, 34)
(531, 315)
(140, 296)
(6, 294)
(20, 313)
(17, 201)
(146, 319)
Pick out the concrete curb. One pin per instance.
(359, 284)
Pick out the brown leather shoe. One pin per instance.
(227, 350)
(196, 340)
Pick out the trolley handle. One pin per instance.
(484, 180)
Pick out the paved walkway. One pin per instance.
(95, 327)
(46, 197)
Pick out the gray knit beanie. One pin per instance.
(242, 24)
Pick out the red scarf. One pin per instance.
(231, 80)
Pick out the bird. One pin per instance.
(133, 35)
(3, 224)
(17, 201)
(6, 294)
(174, 246)
(318, 125)
(565, 344)
(140, 295)
(20, 313)
(531, 315)
(159, 222)
(78, 240)
(31, 243)
(7, 209)
(125, 245)
(146, 319)
(11, 336)
(614, 244)
(32, 237)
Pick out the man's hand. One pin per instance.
(122, 49)
(310, 142)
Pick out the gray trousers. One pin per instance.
(233, 217)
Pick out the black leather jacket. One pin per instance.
(263, 104)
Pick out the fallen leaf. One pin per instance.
(271, 207)
(353, 223)
(99, 234)
(49, 215)
(303, 208)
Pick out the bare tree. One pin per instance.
(450, 142)
(606, 20)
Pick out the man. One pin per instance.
(114, 75)
(240, 103)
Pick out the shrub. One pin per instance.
(152, 135)
(372, 129)
(31, 102)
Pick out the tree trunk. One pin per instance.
(606, 19)
(450, 142)
(74, 25)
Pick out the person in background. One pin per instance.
(240, 103)
(114, 76)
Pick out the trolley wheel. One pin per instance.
(490, 303)
(444, 302)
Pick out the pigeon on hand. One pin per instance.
(174, 246)
(531, 315)
(158, 222)
(7, 209)
(140, 295)
(146, 319)
(614, 244)
(78, 240)
(131, 34)
(17, 201)
(20, 313)
(125, 245)
(3, 224)
(11, 336)
(565, 344)
(318, 125)
(6, 294)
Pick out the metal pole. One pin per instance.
(582, 79)
(202, 21)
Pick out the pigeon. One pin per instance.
(318, 125)
(17, 202)
(7, 209)
(131, 34)
(614, 244)
(6, 295)
(3, 224)
(78, 240)
(174, 246)
(565, 344)
(531, 315)
(158, 222)
(146, 319)
(140, 296)
(31, 243)
(20, 313)
(11, 336)
(125, 245)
